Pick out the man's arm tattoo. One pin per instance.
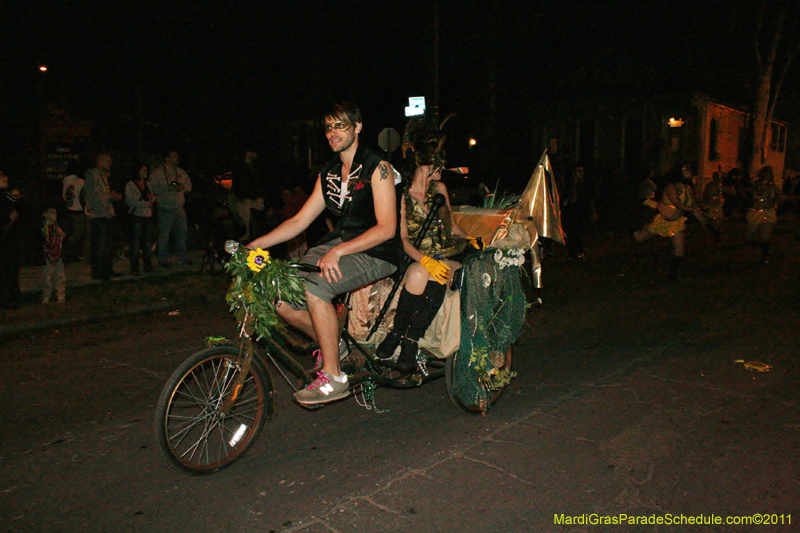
(384, 172)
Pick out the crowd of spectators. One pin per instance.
(136, 213)
(146, 221)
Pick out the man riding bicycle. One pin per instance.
(357, 187)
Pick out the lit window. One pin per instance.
(778, 141)
(713, 140)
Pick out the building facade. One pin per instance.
(634, 137)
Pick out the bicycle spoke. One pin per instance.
(198, 434)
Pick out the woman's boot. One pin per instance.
(407, 306)
(426, 312)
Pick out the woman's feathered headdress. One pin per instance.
(423, 144)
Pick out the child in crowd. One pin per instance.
(53, 270)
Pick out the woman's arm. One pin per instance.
(408, 247)
(456, 229)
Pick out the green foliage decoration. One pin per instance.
(503, 201)
(490, 368)
(257, 283)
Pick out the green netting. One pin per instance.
(492, 317)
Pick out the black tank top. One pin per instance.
(353, 208)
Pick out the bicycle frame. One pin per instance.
(285, 360)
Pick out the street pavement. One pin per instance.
(693, 427)
(646, 405)
(79, 307)
(79, 273)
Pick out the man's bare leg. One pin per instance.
(298, 318)
(325, 322)
(321, 323)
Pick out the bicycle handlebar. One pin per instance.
(305, 267)
(232, 246)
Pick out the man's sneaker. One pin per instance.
(324, 389)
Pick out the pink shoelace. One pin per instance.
(317, 355)
(321, 380)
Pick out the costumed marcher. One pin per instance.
(577, 212)
(732, 192)
(762, 216)
(644, 211)
(443, 245)
(139, 200)
(669, 222)
(357, 188)
(713, 203)
(10, 246)
(689, 178)
(53, 275)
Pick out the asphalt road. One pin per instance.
(78, 453)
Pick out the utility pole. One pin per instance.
(434, 114)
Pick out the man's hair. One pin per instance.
(344, 111)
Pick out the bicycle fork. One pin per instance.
(245, 359)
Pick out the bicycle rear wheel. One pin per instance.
(194, 429)
(482, 399)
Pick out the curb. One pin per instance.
(26, 327)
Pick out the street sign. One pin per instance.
(389, 140)
(416, 106)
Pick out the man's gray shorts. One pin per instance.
(358, 269)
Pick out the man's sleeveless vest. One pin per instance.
(353, 209)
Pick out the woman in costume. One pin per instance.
(762, 216)
(669, 222)
(443, 245)
(714, 202)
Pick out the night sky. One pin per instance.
(228, 68)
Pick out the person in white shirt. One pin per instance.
(76, 224)
(139, 200)
(169, 183)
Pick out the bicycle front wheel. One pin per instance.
(199, 426)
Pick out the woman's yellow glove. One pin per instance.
(437, 269)
(477, 243)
